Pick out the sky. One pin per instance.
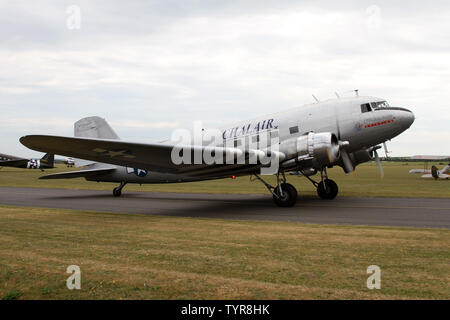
(150, 67)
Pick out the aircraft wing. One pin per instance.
(440, 176)
(9, 157)
(14, 163)
(78, 174)
(150, 156)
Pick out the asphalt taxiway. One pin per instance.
(406, 212)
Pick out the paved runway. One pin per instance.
(408, 212)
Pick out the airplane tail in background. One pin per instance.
(94, 127)
(48, 159)
(446, 169)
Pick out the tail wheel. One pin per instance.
(288, 197)
(327, 189)
(117, 192)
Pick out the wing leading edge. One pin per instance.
(156, 157)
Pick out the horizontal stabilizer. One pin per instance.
(78, 174)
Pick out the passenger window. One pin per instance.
(237, 143)
(293, 130)
(365, 108)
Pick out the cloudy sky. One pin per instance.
(149, 67)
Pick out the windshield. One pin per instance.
(379, 105)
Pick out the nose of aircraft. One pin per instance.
(405, 117)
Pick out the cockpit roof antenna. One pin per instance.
(317, 100)
(357, 92)
(337, 95)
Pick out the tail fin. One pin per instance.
(446, 169)
(48, 158)
(94, 127)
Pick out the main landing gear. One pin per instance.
(117, 191)
(284, 194)
(327, 189)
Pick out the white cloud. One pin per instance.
(148, 66)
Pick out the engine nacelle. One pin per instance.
(361, 156)
(321, 149)
(357, 157)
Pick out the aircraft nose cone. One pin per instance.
(406, 118)
(409, 118)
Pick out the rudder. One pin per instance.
(49, 159)
(94, 127)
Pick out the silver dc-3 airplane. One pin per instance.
(308, 139)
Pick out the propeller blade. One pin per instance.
(347, 162)
(378, 162)
(386, 152)
(434, 172)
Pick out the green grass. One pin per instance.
(152, 257)
(365, 181)
(12, 295)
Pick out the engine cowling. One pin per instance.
(357, 157)
(361, 156)
(322, 149)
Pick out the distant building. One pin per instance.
(425, 157)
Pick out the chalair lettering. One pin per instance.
(250, 128)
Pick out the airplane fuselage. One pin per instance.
(356, 120)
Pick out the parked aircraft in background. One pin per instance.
(434, 172)
(69, 162)
(46, 162)
(343, 132)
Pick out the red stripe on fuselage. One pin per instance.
(378, 123)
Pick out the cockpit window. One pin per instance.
(379, 105)
(365, 107)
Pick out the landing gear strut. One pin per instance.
(117, 191)
(284, 194)
(327, 189)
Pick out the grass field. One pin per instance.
(151, 257)
(365, 181)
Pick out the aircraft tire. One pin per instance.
(117, 192)
(328, 193)
(289, 195)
